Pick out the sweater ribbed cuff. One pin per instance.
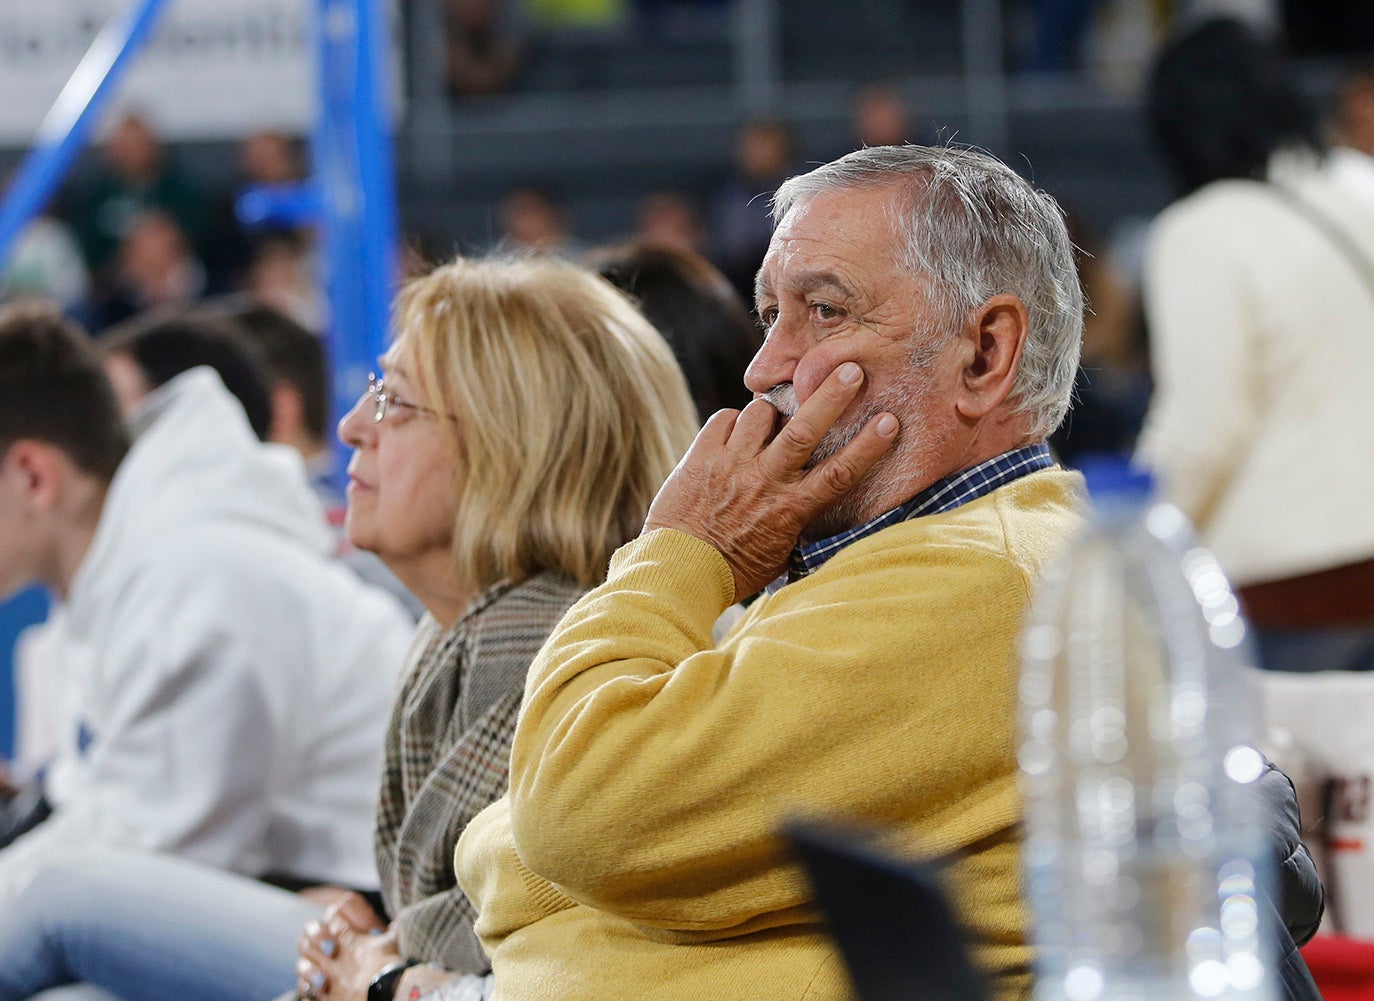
(668, 562)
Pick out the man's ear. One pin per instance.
(288, 414)
(995, 334)
(38, 473)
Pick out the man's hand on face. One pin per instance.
(749, 493)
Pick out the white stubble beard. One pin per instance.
(853, 508)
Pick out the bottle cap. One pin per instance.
(1110, 474)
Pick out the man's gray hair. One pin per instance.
(974, 228)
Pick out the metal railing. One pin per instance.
(68, 125)
(351, 192)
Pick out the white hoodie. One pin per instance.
(232, 681)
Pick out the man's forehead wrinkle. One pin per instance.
(810, 279)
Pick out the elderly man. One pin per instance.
(923, 320)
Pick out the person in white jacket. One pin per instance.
(1259, 290)
(229, 682)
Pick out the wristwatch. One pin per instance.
(383, 986)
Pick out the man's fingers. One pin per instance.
(717, 429)
(837, 475)
(753, 428)
(792, 448)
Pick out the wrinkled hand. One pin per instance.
(747, 491)
(342, 953)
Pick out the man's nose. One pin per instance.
(775, 361)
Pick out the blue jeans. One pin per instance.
(151, 928)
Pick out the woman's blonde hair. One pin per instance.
(570, 411)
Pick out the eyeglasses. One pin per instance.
(382, 401)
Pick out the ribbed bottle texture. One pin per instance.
(1144, 847)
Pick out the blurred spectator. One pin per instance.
(1112, 386)
(136, 176)
(882, 117)
(275, 369)
(1353, 126)
(299, 383)
(152, 349)
(46, 263)
(484, 52)
(765, 155)
(1259, 290)
(155, 267)
(533, 218)
(1255, 281)
(298, 378)
(670, 219)
(879, 115)
(1355, 106)
(264, 158)
(233, 682)
(698, 313)
(139, 356)
(284, 275)
(271, 157)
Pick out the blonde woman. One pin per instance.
(520, 425)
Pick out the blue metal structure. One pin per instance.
(352, 195)
(351, 149)
(68, 125)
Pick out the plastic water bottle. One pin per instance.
(1145, 848)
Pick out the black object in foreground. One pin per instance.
(894, 928)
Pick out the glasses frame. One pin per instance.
(382, 401)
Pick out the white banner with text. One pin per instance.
(211, 69)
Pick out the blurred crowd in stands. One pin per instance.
(157, 265)
(142, 232)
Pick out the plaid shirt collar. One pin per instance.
(941, 496)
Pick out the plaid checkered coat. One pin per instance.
(448, 756)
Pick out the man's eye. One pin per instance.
(824, 311)
(768, 317)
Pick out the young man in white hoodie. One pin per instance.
(228, 682)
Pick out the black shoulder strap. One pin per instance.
(1336, 233)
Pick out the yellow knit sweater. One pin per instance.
(637, 854)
